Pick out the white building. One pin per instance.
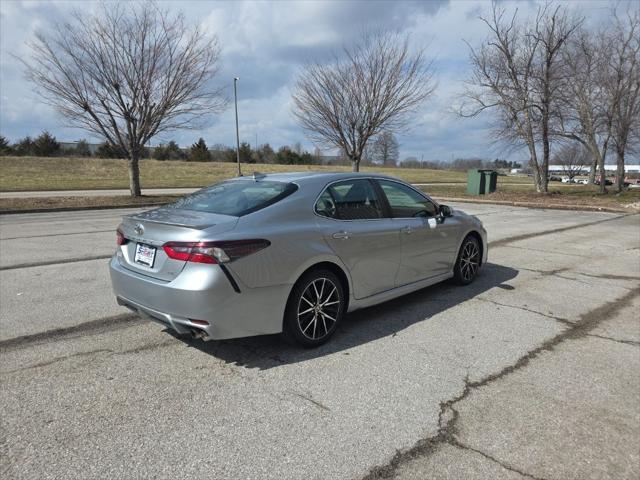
(634, 168)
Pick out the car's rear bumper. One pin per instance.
(202, 292)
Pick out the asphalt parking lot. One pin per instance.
(530, 372)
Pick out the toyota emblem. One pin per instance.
(139, 229)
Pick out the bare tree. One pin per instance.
(385, 149)
(585, 112)
(572, 158)
(127, 74)
(517, 73)
(622, 86)
(601, 106)
(375, 86)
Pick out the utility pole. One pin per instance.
(235, 95)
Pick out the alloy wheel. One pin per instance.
(318, 308)
(469, 261)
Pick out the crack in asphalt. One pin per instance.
(602, 276)
(607, 276)
(92, 327)
(447, 431)
(57, 360)
(554, 252)
(55, 262)
(562, 320)
(546, 273)
(504, 465)
(526, 236)
(144, 348)
(311, 400)
(618, 340)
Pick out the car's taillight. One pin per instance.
(213, 252)
(120, 238)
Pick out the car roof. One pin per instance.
(303, 177)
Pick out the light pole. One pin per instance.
(235, 95)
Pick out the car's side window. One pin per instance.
(406, 202)
(350, 200)
(325, 205)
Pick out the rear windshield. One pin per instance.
(236, 198)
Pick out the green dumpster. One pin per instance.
(481, 181)
(492, 177)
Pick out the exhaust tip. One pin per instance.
(198, 334)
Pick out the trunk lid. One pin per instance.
(156, 227)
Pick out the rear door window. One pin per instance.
(350, 200)
(236, 198)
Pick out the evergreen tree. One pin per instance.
(245, 153)
(5, 148)
(24, 147)
(106, 150)
(199, 152)
(46, 145)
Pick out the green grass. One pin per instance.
(60, 173)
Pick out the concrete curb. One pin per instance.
(79, 209)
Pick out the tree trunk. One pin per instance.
(603, 176)
(539, 181)
(355, 164)
(620, 170)
(592, 169)
(546, 153)
(134, 174)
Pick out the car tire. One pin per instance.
(468, 261)
(314, 309)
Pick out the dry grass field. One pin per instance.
(60, 173)
(38, 173)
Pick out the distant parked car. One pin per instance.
(568, 180)
(289, 252)
(555, 178)
(606, 182)
(583, 181)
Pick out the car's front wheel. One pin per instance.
(316, 306)
(468, 262)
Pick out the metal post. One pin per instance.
(235, 94)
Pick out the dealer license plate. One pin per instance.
(145, 254)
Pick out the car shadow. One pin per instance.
(357, 328)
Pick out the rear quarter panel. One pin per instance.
(296, 242)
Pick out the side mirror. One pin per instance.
(445, 211)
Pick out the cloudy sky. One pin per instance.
(266, 44)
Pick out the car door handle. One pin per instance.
(341, 235)
(407, 230)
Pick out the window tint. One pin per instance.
(406, 202)
(350, 200)
(236, 198)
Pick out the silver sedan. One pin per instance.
(289, 253)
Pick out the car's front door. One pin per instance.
(428, 242)
(354, 223)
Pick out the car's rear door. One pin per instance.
(427, 243)
(354, 223)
